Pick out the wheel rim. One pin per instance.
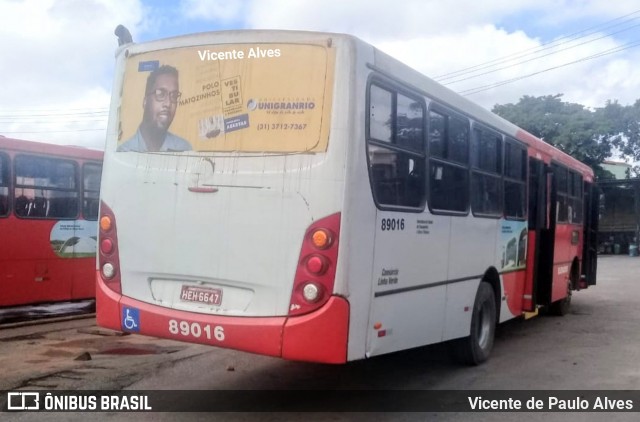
(484, 326)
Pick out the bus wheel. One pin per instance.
(475, 348)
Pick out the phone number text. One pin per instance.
(282, 126)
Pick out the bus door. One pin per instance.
(590, 235)
(542, 228)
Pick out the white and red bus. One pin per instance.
(306, 196)
(49, 199)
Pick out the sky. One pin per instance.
(57, 56)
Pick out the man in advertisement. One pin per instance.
(160, 103)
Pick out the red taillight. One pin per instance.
(108, 258)
(106, 246)
(317, 265)
(315, 276)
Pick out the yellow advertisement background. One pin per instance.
(286, 99)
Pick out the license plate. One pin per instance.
(198, 294)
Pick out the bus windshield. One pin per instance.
(227, 97)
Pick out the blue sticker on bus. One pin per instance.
(236, 123)
(131, 319)
(148, 66)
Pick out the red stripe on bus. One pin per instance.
(108, 310)
(321, 336)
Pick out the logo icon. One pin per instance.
(23, 401)
(131, 319)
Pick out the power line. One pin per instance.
(476, 90)
(560, 41)
(534, 58)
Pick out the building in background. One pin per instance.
(619, 226)
(620, 170)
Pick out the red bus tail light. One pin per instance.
(106, 246)
(108, 257)
(315, 276)
(317, 264)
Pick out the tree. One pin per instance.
(584, 134)
(623, 128)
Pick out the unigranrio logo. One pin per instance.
(285, 105)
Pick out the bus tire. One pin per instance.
(475, 349)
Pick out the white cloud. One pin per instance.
(214, 10)
(58, 55)
(379, 20)
(437, 37)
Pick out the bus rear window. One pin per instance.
(227, 97)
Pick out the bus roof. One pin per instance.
(20, 145)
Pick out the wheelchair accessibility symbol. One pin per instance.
(131, 319)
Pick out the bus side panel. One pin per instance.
(460, 298)
(409, 281)
(357, 229)
(514, 285)
(407, 320)
(83, 286)
(32, 272)
(355, 261)
(466, 266)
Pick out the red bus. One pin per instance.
(48, 220)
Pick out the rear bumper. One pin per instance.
(320, 336)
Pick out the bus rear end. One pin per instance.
(222, 195)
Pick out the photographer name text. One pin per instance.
(253, 53)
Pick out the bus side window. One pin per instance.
(22, 206)
(51, 182)
(4, 201)
(515, 176)
(397, 178)
(91, 190)
(395, 146)
(562, 177)
(576, 199)
(4, 185)
(38, 207)
(449, 162)
(63, 207)
(91, 207)
(449, 187)
(486, 180)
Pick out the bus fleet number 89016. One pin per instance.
(196, 330)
